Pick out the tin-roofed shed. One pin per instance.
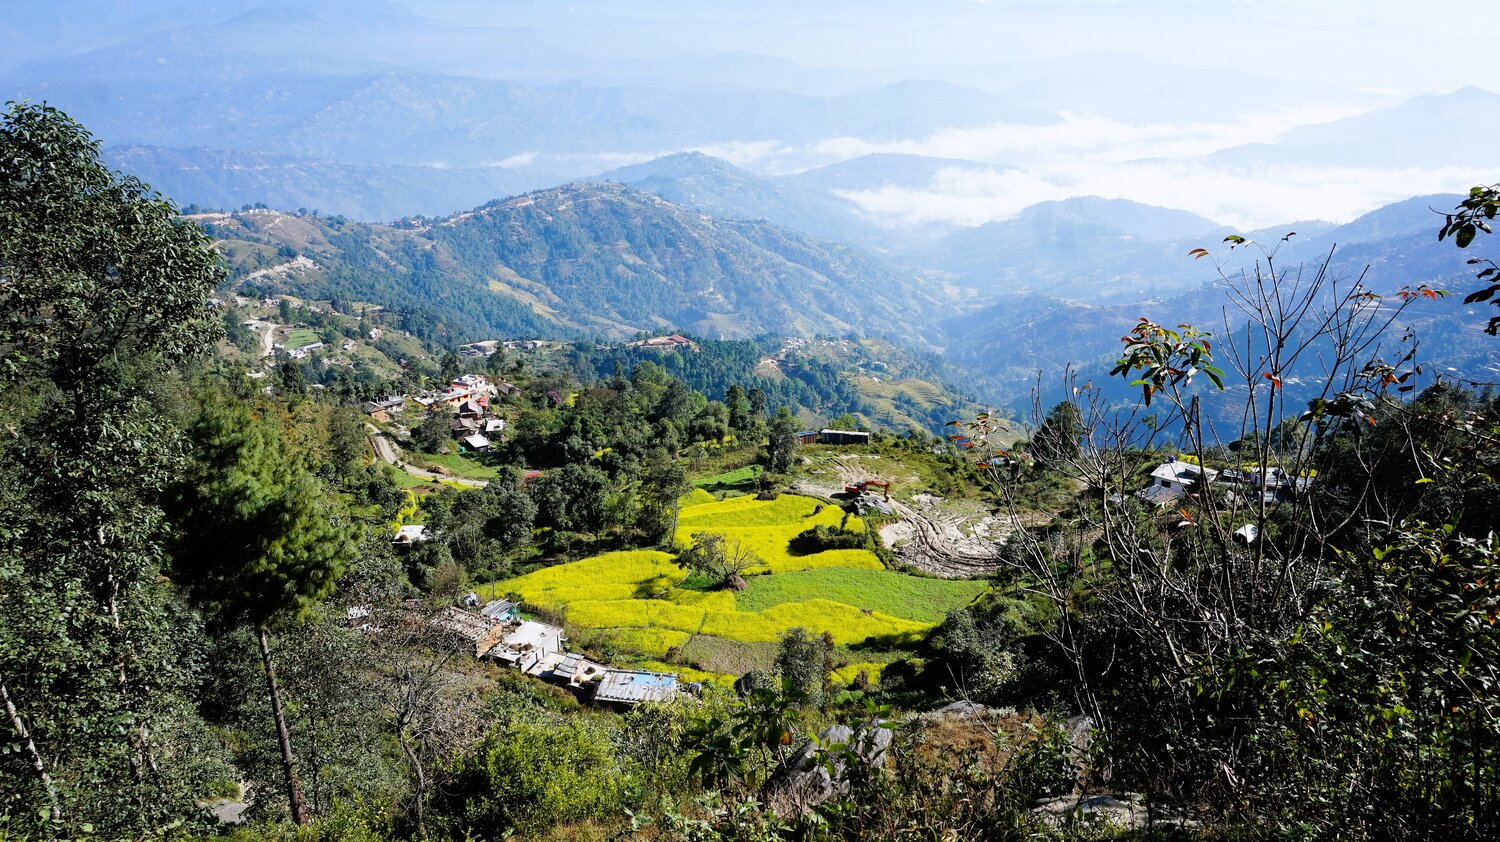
(625, 687)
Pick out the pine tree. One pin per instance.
(259, 544)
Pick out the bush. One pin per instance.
(537, 769)
(820, 538)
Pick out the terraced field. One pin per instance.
(640, 603)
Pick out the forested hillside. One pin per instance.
(589, 259)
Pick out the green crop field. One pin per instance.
(642, 603)
(896, 594)
(298, 337)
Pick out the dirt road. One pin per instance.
(929, 536)
(391, 455)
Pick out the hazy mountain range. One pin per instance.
(379, 110)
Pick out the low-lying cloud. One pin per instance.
(1155, 163)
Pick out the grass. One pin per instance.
(735, 657)
(846, 674)
(459, 465)
(737, 481)
(297, 337)
(696, 497)
(653, 643)
(633, 574)
(896, 594)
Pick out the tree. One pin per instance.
(740, 419)
(804, 662)
(572, 498)
(663, 481)
(1471, 216)
(259, 545)
(1056, 440)
(433, 433)
(783, 444)
(103, 290)
(722, 559)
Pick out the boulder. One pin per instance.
(816, 772)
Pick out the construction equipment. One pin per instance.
(860, 487)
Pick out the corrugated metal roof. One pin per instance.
(633, 688)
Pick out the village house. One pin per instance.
(629, 687)
(479, 349)
(467, 631)
(576, 671)
(666, 343)
(529, 647)
(843, 437)
(1172, 479)
(384, 408)
(412, 533)
(501, 610)
(476, 443)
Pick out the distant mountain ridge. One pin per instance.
(590, 259)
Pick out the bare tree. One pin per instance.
(724, 559)
(1175, 595)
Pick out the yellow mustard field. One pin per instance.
(634, 601)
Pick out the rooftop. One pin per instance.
(633, 688)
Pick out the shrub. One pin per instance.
(537, 768)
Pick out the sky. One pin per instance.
(1393, 48)
(1146, 90)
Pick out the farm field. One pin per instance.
(297, 337)
(908, 597)
(768, 526)
(457, 464)
(639, 604)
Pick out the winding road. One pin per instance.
(390, 454)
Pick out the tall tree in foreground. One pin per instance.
(259, 545)
(103, 289)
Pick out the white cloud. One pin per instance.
(746, 153)
(1154, 163)
(517, 161)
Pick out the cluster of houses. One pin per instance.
(470, 395)
(495, 632)
(1175, 478)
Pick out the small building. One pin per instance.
(476, 443)
(808, 437)
(1179, 476)
(467, 631)
(463, 427)
(626, 687)
(501, 610)
(1159, 496)
(527, 645)
(666, 343)
(493, 426)
(411, 533)
(843, 437)
(384, 408)
(575, 670)
(471, 408)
